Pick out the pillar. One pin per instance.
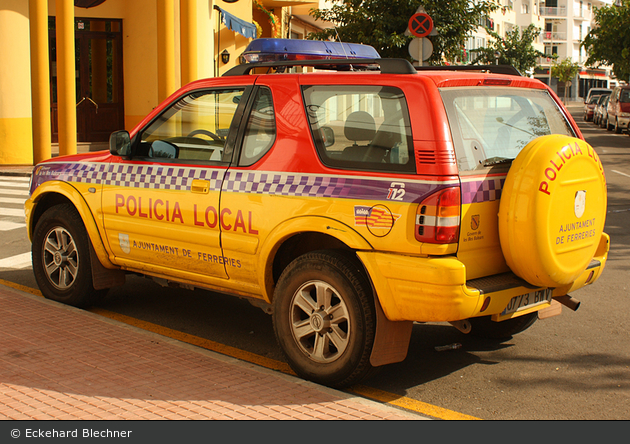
(188, 31)
(40, 79)
(66, 78)
(166, 48)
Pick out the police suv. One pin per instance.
(348, 202)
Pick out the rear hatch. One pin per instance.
(490, 125)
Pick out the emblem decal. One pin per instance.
(580, 203)
(474, 222)
(123, 241)
(376, 217)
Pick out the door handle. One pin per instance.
(88, 98)
(200, 186)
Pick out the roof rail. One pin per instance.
(388, 66)
(494, 69)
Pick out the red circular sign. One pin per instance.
(420, 25)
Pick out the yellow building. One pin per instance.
(73, 71)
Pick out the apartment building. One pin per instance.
(564, 25)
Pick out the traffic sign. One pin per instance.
(420, 49)
(421, 24)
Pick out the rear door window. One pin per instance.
(360, 127)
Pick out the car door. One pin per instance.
(161, 207)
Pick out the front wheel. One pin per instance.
(61, 257)
(617, 127)
(324, 318)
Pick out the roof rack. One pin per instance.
(494, 69)
(388, 66)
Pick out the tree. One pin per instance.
(515, 49)
(382, 24)
(565, 71)
(609, 41)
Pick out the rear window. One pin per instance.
(625, 96)
(491, 125)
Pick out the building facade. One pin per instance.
(73, 71)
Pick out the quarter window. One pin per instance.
(361, 127)
(260, 132)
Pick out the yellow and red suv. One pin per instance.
(348, 204)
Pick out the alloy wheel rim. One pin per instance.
(60, 258)
(320, 321)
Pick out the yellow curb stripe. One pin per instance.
(409, 404)
(368, 392)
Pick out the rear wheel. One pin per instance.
(485, 327)
(61, 257)
(324, 318)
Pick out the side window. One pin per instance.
(260, 132)
(193, 128)
(361, 127)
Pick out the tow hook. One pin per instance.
(463, 326)
(568, 301)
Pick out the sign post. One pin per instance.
(421, 26)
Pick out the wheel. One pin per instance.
(61, 257)
(617, 127)
(205, 133)
(324, 318)
(608, 125)
(485, 327)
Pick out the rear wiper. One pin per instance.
(497, 161)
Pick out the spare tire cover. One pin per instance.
(552, 210)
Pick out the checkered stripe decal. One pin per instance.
(482, 191)
(131, 176)
(180, 178)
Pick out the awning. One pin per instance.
(237, 25)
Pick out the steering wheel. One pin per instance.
(205, 133)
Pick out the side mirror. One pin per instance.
(120, 143)
(328, 136)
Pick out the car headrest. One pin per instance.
(360, 126)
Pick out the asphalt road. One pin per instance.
(573, 366)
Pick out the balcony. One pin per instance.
(560, 11)
(549, 36)
(582, 14)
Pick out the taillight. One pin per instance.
(438, 217)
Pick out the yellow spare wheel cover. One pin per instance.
(552, 210)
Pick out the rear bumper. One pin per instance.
(435, 289)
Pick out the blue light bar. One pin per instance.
(269, 50)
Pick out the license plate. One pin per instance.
(524, 301)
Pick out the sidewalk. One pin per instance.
(59, 362)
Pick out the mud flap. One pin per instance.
(391, 341)
(104, 277)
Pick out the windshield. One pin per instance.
(491, 125)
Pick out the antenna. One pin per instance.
(339, 38)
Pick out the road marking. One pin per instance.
(368, 392)
(17, 212)
(13, 184)
(18, 261)
(14, 192)
(8, 226)
(619, 172)
(12, 200)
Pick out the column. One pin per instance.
(188, 31)
(166, 48)
(66, 78)
(40, 79)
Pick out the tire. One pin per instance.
(608, 125)
(61, 258)
(324, 318)
(485, 327)
(617, 127)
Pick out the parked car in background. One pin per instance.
(619, 109)
(597, 112)
(589, 108)
(597, 92)
(603, 118)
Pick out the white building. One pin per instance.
(564, 25)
